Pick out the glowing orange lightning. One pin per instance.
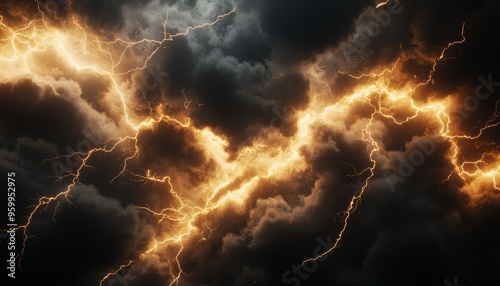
(236, 179)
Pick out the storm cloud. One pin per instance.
(201, 142)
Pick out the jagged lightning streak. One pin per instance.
(438, 108)
(183, 213)
(382, 4)
(114, 273)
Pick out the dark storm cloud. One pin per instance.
(169, 149)
(416, 232)
(405, 237)
(230, 73)
(299, 29)
(270, 229)
(220, 83)
(238, 98)
(431, 34)
(18, 12)
(24, 156)
(85, 240)
(36, 126)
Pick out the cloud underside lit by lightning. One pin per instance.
(382, 98)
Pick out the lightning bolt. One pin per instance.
(485, 168)
(111, 274)
(237, 178)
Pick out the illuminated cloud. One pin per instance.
(252, 142)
